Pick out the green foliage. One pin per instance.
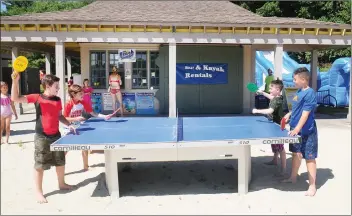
(37, 60)
(327, 11)
(270, 9)
(26, 7)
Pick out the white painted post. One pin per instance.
(112, 174)
(69, 67)
(47, 63)
(313, 70)
(172, 80)
(278, 61)
(60, 69)
(247, 70)
(350, 102)
(252, 75)
(14, 55)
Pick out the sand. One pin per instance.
(198, 187)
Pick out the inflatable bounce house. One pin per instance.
(333, 86)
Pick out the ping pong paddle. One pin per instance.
(19, 65)
(252, 87)
(115, 111)
(283, 123)
(112, 114)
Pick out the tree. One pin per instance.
(37, 60)
(327, 11)
(25, 7)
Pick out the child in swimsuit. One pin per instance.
(115, 82)
(87, 92)
(73, 112)
(7, 110)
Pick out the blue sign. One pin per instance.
(205, 73)
(145, 103)
(129, 102)
(96, 102)
(127, 55)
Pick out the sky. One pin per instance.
(3, 7)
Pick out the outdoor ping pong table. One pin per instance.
(155, 139)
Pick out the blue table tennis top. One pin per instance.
(163, 129)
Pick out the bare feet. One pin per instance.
(289, 180)
(271, 163)
(311, 191)
(86, 168)
(41, 199)
(65, 187)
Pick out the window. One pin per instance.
(145, 71)
(114, 61)
(98, 69)
(139, 71)
(154, 70)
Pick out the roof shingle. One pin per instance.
(222, 13)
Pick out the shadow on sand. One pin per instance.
(197, 177)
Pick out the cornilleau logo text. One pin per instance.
(281, 141)
(71, 148)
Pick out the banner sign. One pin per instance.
(205, 73)
(96, 102)
(127, 55)
(145, 103)
(129, 103)
(107, 101)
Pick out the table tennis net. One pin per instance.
(179, 127)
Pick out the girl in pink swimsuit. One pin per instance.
(87, 92)
(114, 89)
(7, 110)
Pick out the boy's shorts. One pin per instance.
(43, 157)
(308, 147)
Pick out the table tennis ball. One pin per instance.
(151, 88)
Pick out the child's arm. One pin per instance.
(14, 91)
(287, 116)
(14, 109)
(263, 111)
(64, 121)
(99, 115)
(72, 119)
(89, 110)
(120, 80)
(270, 97)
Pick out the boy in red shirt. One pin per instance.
(48, 109)
(74, 109)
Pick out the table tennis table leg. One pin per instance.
(244, 169)
(111, 174)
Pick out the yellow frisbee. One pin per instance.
(20, 64)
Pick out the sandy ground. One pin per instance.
(201, 187)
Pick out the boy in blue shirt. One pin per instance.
(303, 123)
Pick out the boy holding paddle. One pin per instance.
(275, 112)
(303, 123)
(48, 115)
